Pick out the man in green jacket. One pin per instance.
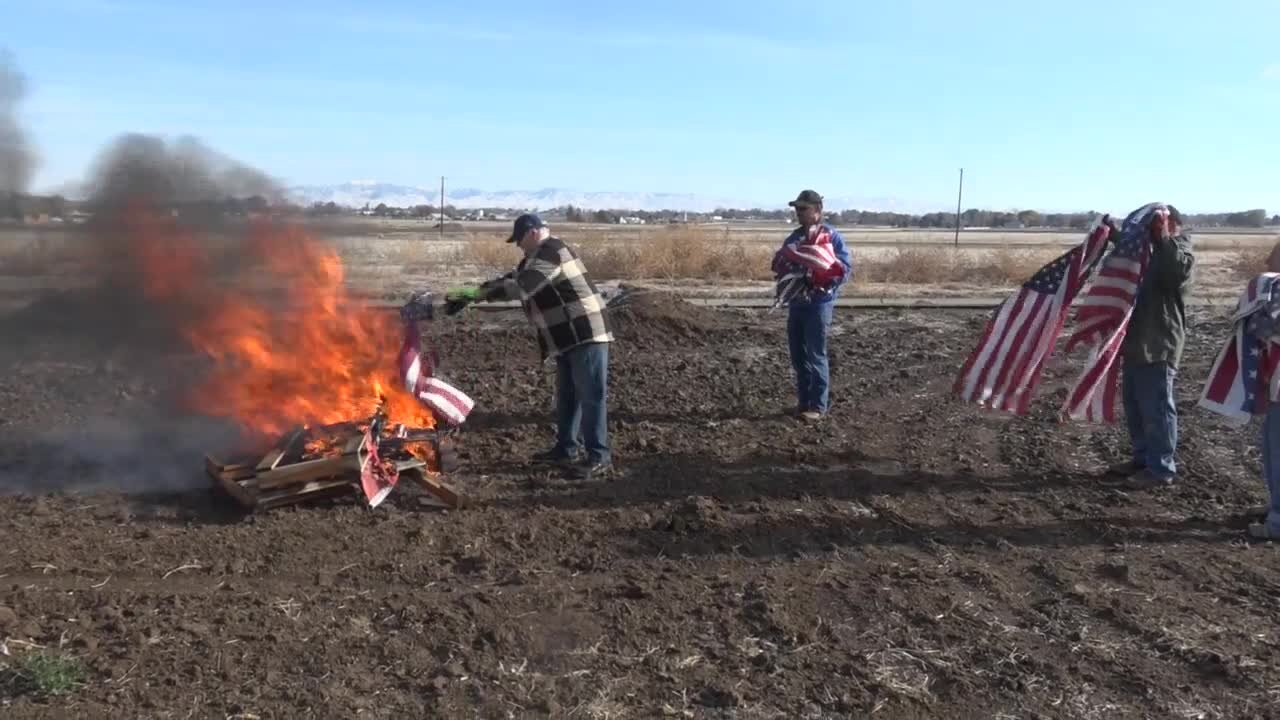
(1151, 354)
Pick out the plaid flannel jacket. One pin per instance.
(559, 298)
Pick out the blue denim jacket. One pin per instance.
(842, 254)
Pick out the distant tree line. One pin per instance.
(19, 206)
(577, 215)
(1000, 219)
(16, 206)
(973, 218)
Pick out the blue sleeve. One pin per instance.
(842, 254)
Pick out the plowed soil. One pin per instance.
(910, 556)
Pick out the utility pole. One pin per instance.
(441, 207)
(959, 194)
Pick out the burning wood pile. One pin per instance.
(266, 333)
(306, 370)
(363, 459)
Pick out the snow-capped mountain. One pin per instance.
(357, 194)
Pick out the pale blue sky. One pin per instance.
(1083, 105)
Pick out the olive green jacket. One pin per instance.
(1158, 329)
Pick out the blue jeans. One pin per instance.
(1271, 463)
(1151, 415)
(582, 389)
(807, 336)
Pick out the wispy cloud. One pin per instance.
(78, 101)
(93, 6)
(402, 26)
(721, 41)
(381, 24)
(1272, 71)
(623, 39)
(363, 23)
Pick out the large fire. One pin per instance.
(296, 350)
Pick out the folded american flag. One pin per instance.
(1103, 317)
(803, 267)
(417, 372)
(788, 287)
(1244, 378)
(1004, 369)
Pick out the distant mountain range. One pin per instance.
(357, 194)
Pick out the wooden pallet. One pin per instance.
(277, 479)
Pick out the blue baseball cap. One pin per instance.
(524, 224)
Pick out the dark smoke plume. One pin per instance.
(17, 160)
(117, 335)
(184, 190)
(185, 173)
(192, 187)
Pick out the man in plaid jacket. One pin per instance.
(568, 312)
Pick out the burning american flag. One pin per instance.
(1002, 372)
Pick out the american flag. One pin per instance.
(804, 265)
(813, 253)
(788, 287)
(1103, 317)
(1244, 375)
(1002, 372)
(417, 371)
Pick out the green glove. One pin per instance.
(464, 294)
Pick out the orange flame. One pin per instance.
(314, 358)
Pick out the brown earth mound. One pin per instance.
(648, 316)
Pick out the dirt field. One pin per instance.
(910, 557)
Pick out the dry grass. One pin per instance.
(692, 253)
(680, 254)
(37, 255)
(1249, 260)
(669, 253)
(489, 253)
(927, 266)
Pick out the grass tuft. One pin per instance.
(46, 674)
